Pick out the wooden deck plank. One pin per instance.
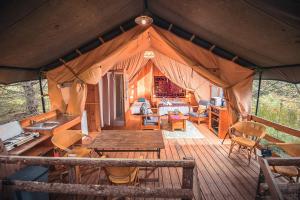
(216, 180)
(183, 151)
(228, 179)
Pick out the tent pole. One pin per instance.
(42, 93)
(258, 92)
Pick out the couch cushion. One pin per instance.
(196, 114)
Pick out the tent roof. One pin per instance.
(35, 34)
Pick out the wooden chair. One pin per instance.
(122, 175)
(62, 142)
(292, 173)
(68, 138)
(201, 112)
(246, 134)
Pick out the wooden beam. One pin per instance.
(192, 38)
(97, 190)
(212, 47)
(101, 39)
(107, 162)
(122, 29)
(276, 126)
(234, 58)
(78, 51)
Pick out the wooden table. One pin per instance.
(128, 141)
(178, 121)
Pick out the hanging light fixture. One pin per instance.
(143, 20)
(149, 54)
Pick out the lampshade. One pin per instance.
(149, 54)
(143, 20)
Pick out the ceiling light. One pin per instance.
(143, 20)
(149, 54)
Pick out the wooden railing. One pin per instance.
(185, 192)
(278, 127)
(282, 190)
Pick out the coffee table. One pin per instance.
(177, 121)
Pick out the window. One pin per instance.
(279, 102)
(19, 100)
(216, 91)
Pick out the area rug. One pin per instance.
(191, 132)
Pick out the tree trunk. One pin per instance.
(31, 102)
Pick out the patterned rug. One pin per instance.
(191, 132)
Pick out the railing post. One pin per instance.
(187, 177)
(72, 176)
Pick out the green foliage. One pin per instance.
(14, 102)
(279, 102)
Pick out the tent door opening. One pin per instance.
(119, 119)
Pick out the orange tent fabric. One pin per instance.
(127, 50)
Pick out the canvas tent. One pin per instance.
(183, 62)
(34, 35)
(38, 36)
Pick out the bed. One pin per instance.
(135, 108)
(164, 106)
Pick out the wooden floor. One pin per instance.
(220, 177)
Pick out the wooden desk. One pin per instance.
(42, 144)
(128, 141)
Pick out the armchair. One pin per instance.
(201, 114)
(250, 133)
(149, 120)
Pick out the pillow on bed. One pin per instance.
(141, 99)
(145, 109)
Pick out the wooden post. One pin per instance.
(187, 177)
(42, 94)
(258, 93)
(72, 178)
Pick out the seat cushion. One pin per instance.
(196, 114)
(244, 141)
(122, 175)
(150, 120)
(285, 170)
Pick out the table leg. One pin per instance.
(225, 137)
(158, 153)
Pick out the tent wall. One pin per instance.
(184, 63)
(142, 84)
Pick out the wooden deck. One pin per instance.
(220, 177)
